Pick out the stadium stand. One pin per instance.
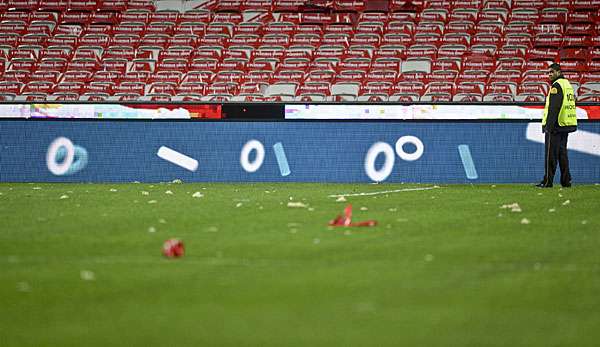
(292, 50)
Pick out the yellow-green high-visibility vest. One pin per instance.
(568, 114)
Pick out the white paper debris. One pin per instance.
(566, 202)
(552, 210)
(514, 207)
(584, 222)
(363, 208)
(37, 188)
(176, 181)
(341, 199)
(23, 287)
(525, 221)
(113, 190)
(151, 229)
(169, 192)
(87, 275)
(296, 204)
(64, 197)
(239, 204)
(162, 221)
(392, 209)
(197, 195)
(145, 192)
(152, 202)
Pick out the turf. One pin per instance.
(444, 267)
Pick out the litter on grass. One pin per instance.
(23, 287)
(87, 275)
(169, 192)
(296, 204)
(514, 207)
(173, 248)
(64, 197)
(197, 195)
(525, 221)
(340, 199)
(346, 220)
(566, 202)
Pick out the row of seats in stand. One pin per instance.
(382, 87)
(18, 27)
(295, 5)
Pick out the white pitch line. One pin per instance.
(384, 192)
(177, 158)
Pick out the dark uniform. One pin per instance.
(559, 120)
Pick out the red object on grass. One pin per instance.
(173, 248)
(346, 220)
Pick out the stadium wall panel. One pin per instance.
(294, 151)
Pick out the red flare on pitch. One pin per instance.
(173, 248)
(346, 220)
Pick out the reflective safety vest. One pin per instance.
(568, 114)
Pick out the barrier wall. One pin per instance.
(286, 151)
(253, 111)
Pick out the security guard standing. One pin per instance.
(559, 120)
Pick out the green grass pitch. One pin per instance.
(81, 265)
